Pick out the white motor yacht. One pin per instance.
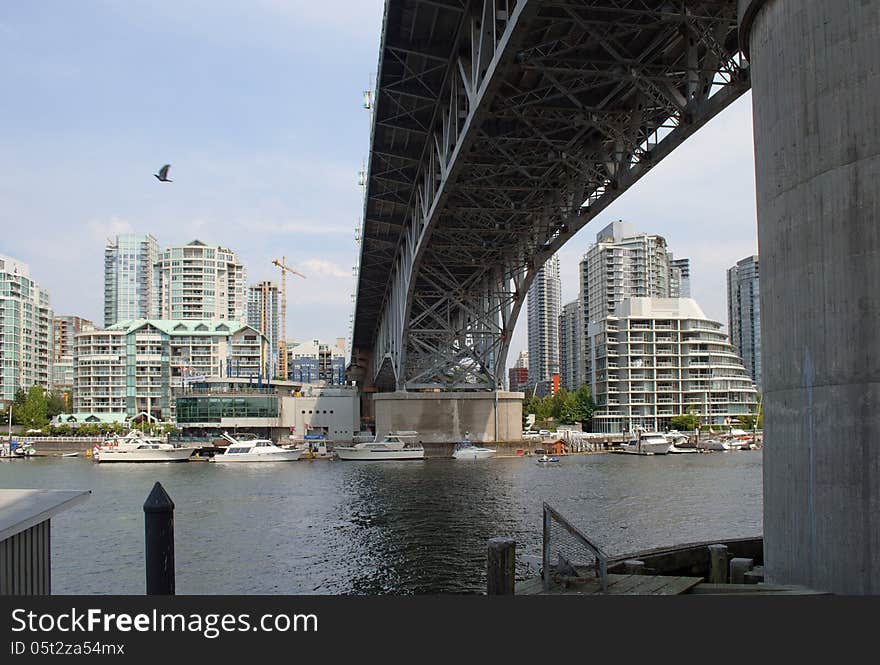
(467, 450)
(138, 447)
(393, 447)
(247, 449)
(647, 443)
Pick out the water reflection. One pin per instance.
(373, 528)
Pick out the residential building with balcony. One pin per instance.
(656, 358)
(130, 282)
(544, 308)
(316, 362)
(198, 281)
(25, 330)
(570, 338)
(625, 264)
(263, 314)
(679, 277)
(64, 332)
(132, 367)
(744, 314)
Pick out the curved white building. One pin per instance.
(659, 358)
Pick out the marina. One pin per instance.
(389, 528)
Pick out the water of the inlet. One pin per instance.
(414, 527)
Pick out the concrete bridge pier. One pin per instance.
(444, 417)
(815, 72)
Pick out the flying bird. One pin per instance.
(162, 175)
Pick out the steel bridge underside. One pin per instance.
(501, 128)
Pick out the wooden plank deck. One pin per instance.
(630, 585)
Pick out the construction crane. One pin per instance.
(282, 335)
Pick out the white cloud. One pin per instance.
(102, 229)
(323, 268)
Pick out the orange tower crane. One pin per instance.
(282, 334)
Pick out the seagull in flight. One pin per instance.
(162, 175)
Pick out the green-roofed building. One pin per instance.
(132, 367)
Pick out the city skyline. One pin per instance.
(246, 173)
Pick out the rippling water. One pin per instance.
(377, 527)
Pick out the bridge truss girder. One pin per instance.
(487, 160)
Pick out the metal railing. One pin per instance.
(568, 548)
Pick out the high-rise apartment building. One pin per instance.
(744, 314)
(129, 278)
(570, 339)
(656, 358)
(544, 307)
(263, 314)
(65, 330)
(679, 277)
(25, 330)
(198, 281)
(624, 264)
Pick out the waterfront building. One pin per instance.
(544, 308)
(570, 337)
(625, 264)
(263, 314)
(656, 358)
(132, 367)
(198, 281)
(129, 278)
(522, 361)
(744, 314)
(25, 330)
(279, 409)
(316, 362)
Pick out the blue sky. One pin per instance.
(257, 106)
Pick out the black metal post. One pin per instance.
(159, 542)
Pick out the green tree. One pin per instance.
(33, 412)
(17, 405)
(568, 414)
(584, 405)
(57, 403)
(686, 422)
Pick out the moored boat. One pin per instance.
(647, 443)
(246, 449)
(392, 447)
(139, 447)
(467, 450)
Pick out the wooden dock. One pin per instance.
(618, 585)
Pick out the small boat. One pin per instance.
(138, 447)
(467, 450)
(69, 454)
(247, 449)
(718, 445)
(393, 447)
(313, 446)
(546, 459)
(25, 449)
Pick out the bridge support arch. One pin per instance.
(815, 70)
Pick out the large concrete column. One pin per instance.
(447, 417)
(815, 71)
